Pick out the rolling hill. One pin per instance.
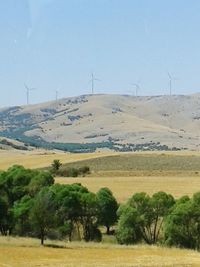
(119, 122)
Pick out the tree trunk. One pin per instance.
(107, 230)
(42, 237)
(42, 240)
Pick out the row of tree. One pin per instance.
(32, 205)
(160, 219)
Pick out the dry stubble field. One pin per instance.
(27, 253)
(176, 173)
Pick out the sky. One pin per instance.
(55, 45)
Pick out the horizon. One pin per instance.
(56, 45)
(100, 94)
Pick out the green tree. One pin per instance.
(128, 230)
(56, 164)
(150, 212)
(89, 217)
(182, 225)
(108, 206)
(4, 216)
(43, 213)
(68, 206)
(21, 214)
(161, 204)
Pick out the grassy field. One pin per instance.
(138, 163)
(125, 174)
(40, 158)
(124, 187)
(23, 252)
(176, 172)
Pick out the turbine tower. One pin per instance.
(28, 90)
(137, 88)
(171, 79)
(57, 93)
(92, 81)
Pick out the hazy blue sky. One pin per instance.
(56, 44)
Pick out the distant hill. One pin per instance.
(10, 144)
(119, 122)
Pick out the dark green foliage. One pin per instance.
(73, 172)
(182, 226)
(89, 216)
(146, 217)
(56, 164)
(16, 183)
(128, 230)
(108, 206)
(84, 170)
(77, 208)
(4, 216)
(68, 172)
(42, 213)
(21, 213)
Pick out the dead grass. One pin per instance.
(42, 158)
(92, 255)
(125, 187)
(144, 163)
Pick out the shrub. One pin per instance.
(68, 172)
(84, 170)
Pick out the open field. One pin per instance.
(27, 253)
(177, 173)
(41, 158)
(141, 163)
(125, 187)
(133, 162)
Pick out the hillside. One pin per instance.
(113, 121)
(11, 144)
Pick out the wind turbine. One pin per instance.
(28, 90)
(92, 81)
(57, 92)
(137, 88)
(171, 79)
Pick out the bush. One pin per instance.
(68, 172)
(73, 172)
(84, 170)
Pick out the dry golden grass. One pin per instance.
(92, 255)
(124, 187)
(42, 158)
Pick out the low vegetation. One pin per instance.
(58, 170)
(145, 163)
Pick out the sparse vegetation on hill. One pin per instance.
(160, 163)
(120, 123)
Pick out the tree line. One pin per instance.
(32, 205)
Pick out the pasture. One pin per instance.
(23, 252)
(40, 158)
(124, 187)
(125, 174)
(175, 172)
